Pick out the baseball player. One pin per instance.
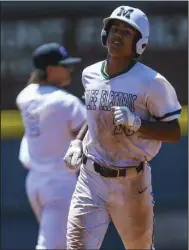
(131, 110)
(52, 117)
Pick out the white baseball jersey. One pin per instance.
(145, 92)
(50, 117)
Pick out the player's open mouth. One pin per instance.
(117, 43)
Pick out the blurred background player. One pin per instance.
(131, 110)
(52, 117)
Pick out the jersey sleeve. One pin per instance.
(162, 101)
(84, 83)
(77, 115)
(83, 80)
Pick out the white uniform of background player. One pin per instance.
(128, 117)
(51, 116)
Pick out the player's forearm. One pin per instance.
(162, 131)
(82, 132)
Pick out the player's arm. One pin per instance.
(82, 132)
(77, 116)
(73, 156)
(162, 131)
(164, 108)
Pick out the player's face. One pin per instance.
(120, 39)
(60, 75)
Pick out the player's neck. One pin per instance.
(52, 84)
(46, 83)
(115, 65)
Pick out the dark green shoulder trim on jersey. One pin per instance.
(105, 75)
(176, 112)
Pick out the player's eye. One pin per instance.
(114, 30)
(127, 33)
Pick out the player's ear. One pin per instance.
(49, 71)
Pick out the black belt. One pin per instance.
(109, 172)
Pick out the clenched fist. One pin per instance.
(122, 115)
(73, 157)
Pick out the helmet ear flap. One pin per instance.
(103, 36)
(141, 45)
(105, 32)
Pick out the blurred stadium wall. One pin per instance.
(26, 25)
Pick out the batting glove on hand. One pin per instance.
(73, 157)
(122, 115)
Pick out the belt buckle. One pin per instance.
(118, 171)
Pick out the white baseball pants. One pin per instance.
(127, 201)
(49, 195)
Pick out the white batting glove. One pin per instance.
(122, 115)
(73, 157)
